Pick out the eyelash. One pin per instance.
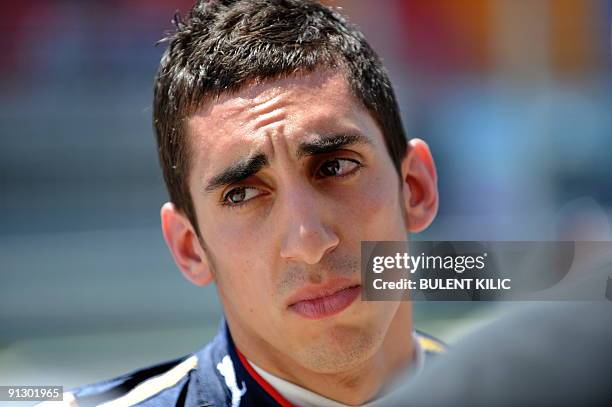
(353, 171)
(225, 202)
(229, 205)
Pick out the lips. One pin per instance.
(317, 302)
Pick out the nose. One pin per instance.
(307, 237)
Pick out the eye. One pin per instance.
(240, 195)
(338, 167)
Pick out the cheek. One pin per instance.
(374, 211)
(238, 258)
(242, 279)
(221, 232)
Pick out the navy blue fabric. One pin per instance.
(202, 386)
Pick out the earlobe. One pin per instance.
(420, 186)
(184, 245)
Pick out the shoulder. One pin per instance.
(191, 380)
(132, 388)
(430, 344)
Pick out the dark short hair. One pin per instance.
(225, 45)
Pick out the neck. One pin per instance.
(356, 385)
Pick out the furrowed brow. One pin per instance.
(238, 171)
(327, 144)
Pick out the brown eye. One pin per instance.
(240, 195)
(338, 167)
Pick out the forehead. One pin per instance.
(281, 111)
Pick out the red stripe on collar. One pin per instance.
(262, 382)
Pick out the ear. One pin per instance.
(184, 245)
(420, 186)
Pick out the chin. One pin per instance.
(340, 348)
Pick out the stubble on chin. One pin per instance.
(340, 349)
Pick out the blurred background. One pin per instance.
(513, 96)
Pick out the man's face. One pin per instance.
(287, 178)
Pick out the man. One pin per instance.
(282, 149)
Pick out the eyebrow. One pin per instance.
(327, 144)
(248, 166)
(238, 171)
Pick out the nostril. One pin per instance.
(309, 245)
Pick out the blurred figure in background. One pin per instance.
(558, 354)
